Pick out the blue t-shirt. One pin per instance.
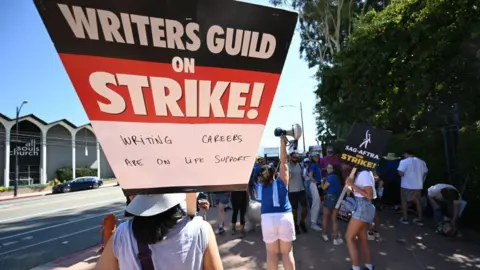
(267, 199)
(334, 187)
(317, 172)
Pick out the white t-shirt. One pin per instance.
(365, 179)
(305, 174)
(413, 170)
(435, 191)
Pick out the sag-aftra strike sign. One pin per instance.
(365, 146)
(177, 91)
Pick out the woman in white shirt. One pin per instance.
(363, 188)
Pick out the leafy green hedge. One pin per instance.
(66, 173)
(429, 146)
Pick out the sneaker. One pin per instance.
(234, 231)
(315, 227)
(404, 221)
(417, 221)
(221, 230)
(371, 236)
(303, 227)
(325, 237)
(337, 241)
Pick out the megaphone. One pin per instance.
(295, 132)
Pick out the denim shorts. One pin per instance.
(222, 198)
(330, 201)
(365, 210)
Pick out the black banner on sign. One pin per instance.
(216, 33)
(365, 146)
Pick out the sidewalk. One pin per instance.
(83, 260)
(39, 194)
(403, 247)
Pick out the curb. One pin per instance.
(40, 194)
(21, 197)
(54, 264)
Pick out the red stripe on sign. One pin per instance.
(112, 89)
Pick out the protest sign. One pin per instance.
(365, 146)
(363, 150)
(177, 91)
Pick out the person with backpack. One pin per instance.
(161, 236)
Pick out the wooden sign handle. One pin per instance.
(345, 188)
(191, 204)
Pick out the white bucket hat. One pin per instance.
(150, 205)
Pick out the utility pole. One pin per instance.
(15, 185)
(303, 127)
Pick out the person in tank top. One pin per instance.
(278, 226)
(163, 236)
(363, 187)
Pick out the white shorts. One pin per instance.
(278, 226)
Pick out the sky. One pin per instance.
(31, 70)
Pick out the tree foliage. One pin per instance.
(324, 27)
(405, 66)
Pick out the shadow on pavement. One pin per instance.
(402, 247)
(44, 239)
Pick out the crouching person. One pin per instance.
(448, 206)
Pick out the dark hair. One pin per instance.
(409, 152)
(450, 194)
(153, 229)
(268, 180)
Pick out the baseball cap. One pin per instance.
(150, 205)
(314, 154)
(306, 160)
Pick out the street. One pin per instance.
(38, 230)
(49, 229)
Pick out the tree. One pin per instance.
(326, 24)
(406, 65)
(324, 27)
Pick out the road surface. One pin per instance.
(38, 230)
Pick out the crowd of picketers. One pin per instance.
(315, 184)
(311, 183)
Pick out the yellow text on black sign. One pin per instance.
(359, 161)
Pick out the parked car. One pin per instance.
(80, 183)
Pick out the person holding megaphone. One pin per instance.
(278, 226)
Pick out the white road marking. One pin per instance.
(60, 210)
(58, 225)
(49, 240)
(65, 242)
(27, 238)
(9, 243)
(6, 206)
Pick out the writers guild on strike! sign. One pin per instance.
(145, 71)
(170, 41)
(365, 145)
